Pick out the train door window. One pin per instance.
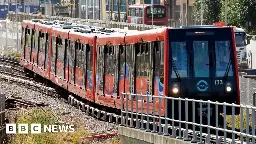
(79, 55)
(60, 56)
(82, 63)
(47, 45)
(23, 42)
(41, 48)
(66, 49)
(158, 49)
(110, 60)
(123, 69)
(179, 59)
(79, 61)
(72, 61)
(53, 55)
(130, 60)
(222, 56)
(100, 70)
(201, 59)
(36, 45)
(89, 66)
(142, 68)
(28, 43)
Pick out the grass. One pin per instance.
(42, 117)
(237, 121)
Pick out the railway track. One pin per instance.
(103, 114)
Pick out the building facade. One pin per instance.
(179, 11)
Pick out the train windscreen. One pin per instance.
(201, 60)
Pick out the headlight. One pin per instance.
(175, 90)
(228, 89)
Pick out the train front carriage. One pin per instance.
(202, 65)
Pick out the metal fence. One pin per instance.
(10, 32)
(2, 118)
(189, 119)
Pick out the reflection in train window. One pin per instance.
(222, 52)
(180, 59)
(201, 59)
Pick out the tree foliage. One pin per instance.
(239, 12)
(211, 11)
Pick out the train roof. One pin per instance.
(147, 35)
(212, 26)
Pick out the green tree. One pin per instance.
(211, 11)
(239, 12)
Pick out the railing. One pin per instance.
(10, 35)
(2, 118)
(101, 23)
(180, 118)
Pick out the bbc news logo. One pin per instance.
(37, 128)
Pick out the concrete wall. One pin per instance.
(136, 136)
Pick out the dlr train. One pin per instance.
(99, 64)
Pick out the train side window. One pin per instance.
(158, 67)
(60, 52)
(33, 40)
(23, 42)
(70, 59)
(53, 55)
(47, 43)
(66, 48)
(130, 52)
(28, 38)
(42, 43)
(100, 69)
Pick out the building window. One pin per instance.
(115, 5)
(123, 6)
(154, 1)
(131, 2)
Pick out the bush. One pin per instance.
(237, 120)
(40, 116)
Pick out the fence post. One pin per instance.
(254, 103)
(2, 115)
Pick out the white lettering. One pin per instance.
(23, 128)
(47, 128)
(10, 128)
(35, 128)
(54, 128)
(63, 128)
(71, 128)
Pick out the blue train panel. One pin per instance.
(34, 9)
(3, 15)
(20, 8)
(251, 71)
(4, 8)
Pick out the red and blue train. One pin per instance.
(98, 64)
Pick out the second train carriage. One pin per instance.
(189, 62)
